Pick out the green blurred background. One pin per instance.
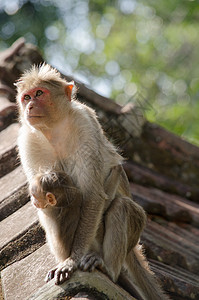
(145, 52)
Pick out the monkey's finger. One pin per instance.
(86, 261)
(89, 263)
(81, 265)
(85, 265)
(58, 275)
(97, 264)
(50, 275)
(91, 266)
(64, 276)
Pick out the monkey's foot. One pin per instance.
(91, 261)
(62, 272)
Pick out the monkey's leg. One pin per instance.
(124, 222)
(112, 181)
(113, 245)
(94, 258)
(115, 242)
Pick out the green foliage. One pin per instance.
(125, 49)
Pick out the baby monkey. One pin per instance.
(52, 189)
(58, 202)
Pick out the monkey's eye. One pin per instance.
(27, 97)
(39, 93)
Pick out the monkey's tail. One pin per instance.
(142, 276)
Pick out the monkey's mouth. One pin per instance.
(34, 116)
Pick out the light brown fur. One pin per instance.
(68, 137)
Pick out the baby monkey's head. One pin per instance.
(47, 188)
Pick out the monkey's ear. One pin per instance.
(69, 88)
(50, 198)
(18, 83)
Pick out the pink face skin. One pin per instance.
(36, 103)
(38, 203)
(41, 201)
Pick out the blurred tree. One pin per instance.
(142, 51)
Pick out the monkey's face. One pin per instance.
(43, 201)
(39, 198)
(43, 97)
(37, 106)
(38, 202)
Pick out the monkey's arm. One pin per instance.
(86, 231)
(92, 259)
(112, 181)
(92, 209)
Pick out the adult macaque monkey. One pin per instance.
(62, 134)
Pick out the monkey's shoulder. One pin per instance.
(83, 110)
(79, 106)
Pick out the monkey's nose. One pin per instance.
(30, 107)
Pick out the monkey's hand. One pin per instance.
(62, 272)
(91, 261)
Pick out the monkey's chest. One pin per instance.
(42, 160)
(46, 158)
